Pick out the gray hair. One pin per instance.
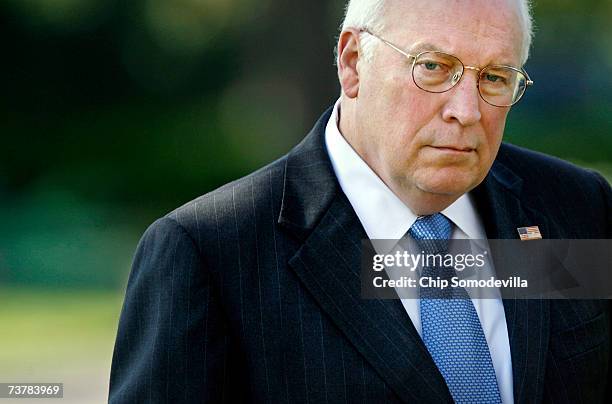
(370, 14)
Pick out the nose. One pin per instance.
(463, 105)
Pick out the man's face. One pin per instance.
(423, 143)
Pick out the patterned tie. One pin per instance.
(451, 329)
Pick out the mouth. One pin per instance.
(454, 149)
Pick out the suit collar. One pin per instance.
(309, 184)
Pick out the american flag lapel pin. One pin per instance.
(529, 233)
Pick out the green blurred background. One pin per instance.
(113, 113)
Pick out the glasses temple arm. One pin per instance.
(408, 55)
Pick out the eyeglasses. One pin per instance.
(437, 72)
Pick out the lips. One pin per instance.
(454, 148)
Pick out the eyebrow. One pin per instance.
(427, 46)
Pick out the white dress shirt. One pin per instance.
(384, 216)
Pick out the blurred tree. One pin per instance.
(115, 112)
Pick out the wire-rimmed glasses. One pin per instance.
(437, 72)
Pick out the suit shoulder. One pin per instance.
(234, 201)
(556, 182)
(536, 167)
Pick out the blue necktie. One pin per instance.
(451, 329)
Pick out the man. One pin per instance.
(252, 292)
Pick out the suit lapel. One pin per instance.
(328, 264)
(498, 199)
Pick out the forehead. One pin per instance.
(479, 31)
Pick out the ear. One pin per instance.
(349, 51)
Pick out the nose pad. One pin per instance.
(456, 77)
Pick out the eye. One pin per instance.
(493, 78)
(431, 65)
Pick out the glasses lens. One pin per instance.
(436, 72)
(501, 86)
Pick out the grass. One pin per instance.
(45, 331)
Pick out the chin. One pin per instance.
(446, 185)
(448, 180)
(444, 190)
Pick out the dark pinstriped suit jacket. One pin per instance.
(252, 293)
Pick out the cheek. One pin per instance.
(394, 122)
(396, 112)
(409, 110)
